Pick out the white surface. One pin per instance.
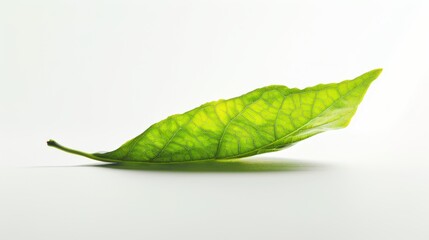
(93, 74)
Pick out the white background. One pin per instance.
(93, 74)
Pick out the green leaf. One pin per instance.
(265, 120)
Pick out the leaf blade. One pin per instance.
(264, 120)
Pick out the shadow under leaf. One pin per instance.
(236, 165)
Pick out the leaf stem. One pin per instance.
(54, 144)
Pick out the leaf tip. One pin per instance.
(370, 76)
(377, 71)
